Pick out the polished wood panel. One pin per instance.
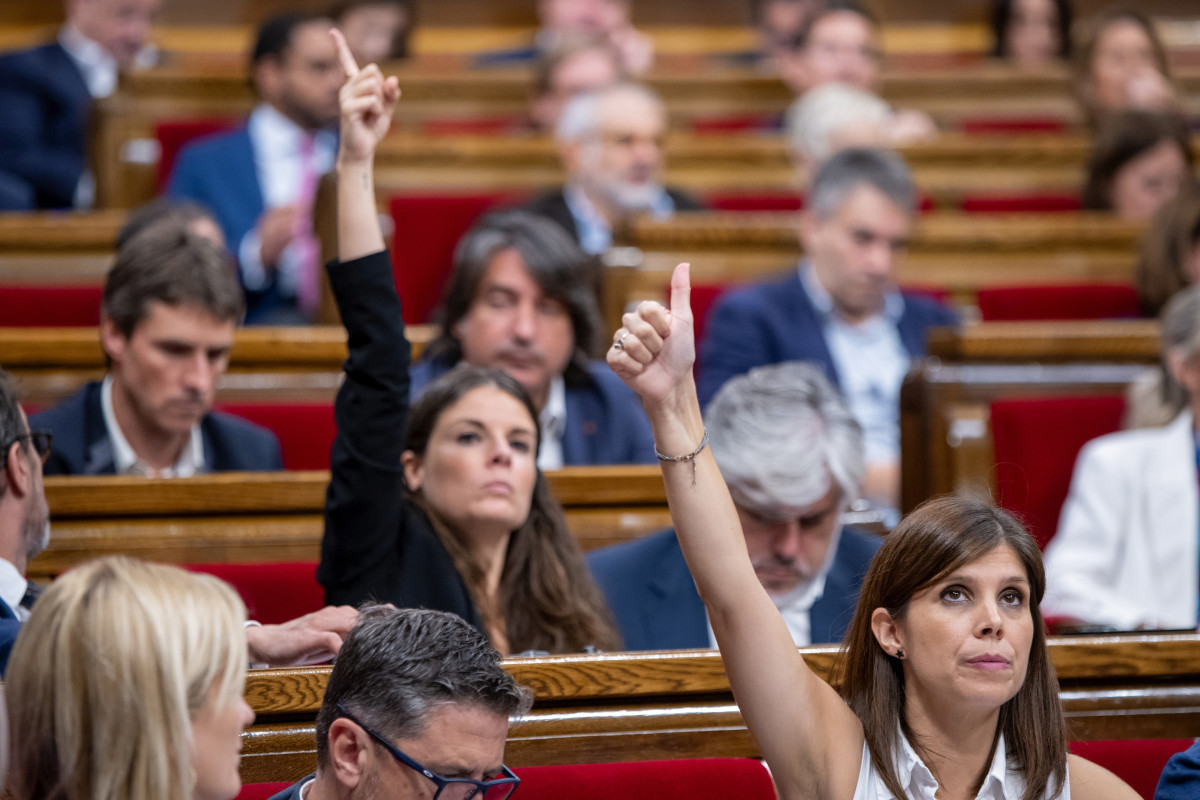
(279, 516)
(637, 706)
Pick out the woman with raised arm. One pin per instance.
(457, 517)
(944, 687)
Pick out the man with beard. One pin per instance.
(611, 145)
(792, 457)
(520, 298)
(25, 532)
(167, 317)
(260, 180)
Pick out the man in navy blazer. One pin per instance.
(792, 456)
(521, 298)
(259, 181)
(840, 308)
(170, 307)
(46, 95)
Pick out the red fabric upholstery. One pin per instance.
(173, 134)
(427, 229)
(1059, 301)
(261, 791)
(754, 201)
(982, 126)
(305, 430)
(1020, 203)
(50, 306)
(273, 593)
(1138, 762)
(474, 126)
(1036, 441)
(697, 779)
(737, 123)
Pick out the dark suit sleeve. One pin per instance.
(9, 628)
(364, 502)
(28, 112)
(1181, 778)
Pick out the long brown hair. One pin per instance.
(937, 538)
(1088, 37)
(1168, 243)
(548, 600)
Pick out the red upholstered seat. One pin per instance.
(306, 430)
(50, 306)
(1036, 441)
(275, 592)
(1020, 203)
(696, 779)
(985, 126)
(754, 201)
(735, 123)
(427, 228)
(506, 125)
(261, 791)
(173, 134)
(1059, 301)
(1138, 762)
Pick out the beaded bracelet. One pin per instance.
(689, 457)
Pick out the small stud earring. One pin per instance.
(899, 654)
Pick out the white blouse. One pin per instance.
(1003, 782)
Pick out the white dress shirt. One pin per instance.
(127, 462)
(553, 420)
(1003, 782)
(12, 588)
(279, 164)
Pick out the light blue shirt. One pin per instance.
(871, 362)
(595, 234)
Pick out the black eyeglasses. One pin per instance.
(447, 788)
(40, 441)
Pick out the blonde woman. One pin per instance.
(126, 684)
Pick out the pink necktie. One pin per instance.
(308, 284)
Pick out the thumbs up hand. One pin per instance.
(655, 348)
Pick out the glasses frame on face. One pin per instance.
(40, 440)
(480, 787)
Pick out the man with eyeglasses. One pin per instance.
(417, 706)
(611, 145)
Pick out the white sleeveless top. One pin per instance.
(1002, 781)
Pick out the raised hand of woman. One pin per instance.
(367, 101)
(655, 348)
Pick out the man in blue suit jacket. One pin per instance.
(521, 299)
(840, 308)
(792, 456)
(169, 312)
(46, 95)
(259, 181)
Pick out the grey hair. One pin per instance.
(1159, 400)
(12, 424)
(822, 113)
(398, 664)
(847, 170)
(782, 435)
(581, 117)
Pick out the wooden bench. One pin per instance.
(633, 707)
(263, 517)
(267, 363)
(959, 253)
(945, 434)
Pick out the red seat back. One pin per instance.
(427, 229)
(305, 430)
(1059, 301)
(475, 126)
(754, 201)
(1138, 762)
(696, 779)
(50, 306)
(1019, 203)
(275, 592)
(733, 123)
(992, 126)
(1036, 441)
(173, 134)
(261, 791)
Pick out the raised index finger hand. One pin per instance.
(349, 65)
